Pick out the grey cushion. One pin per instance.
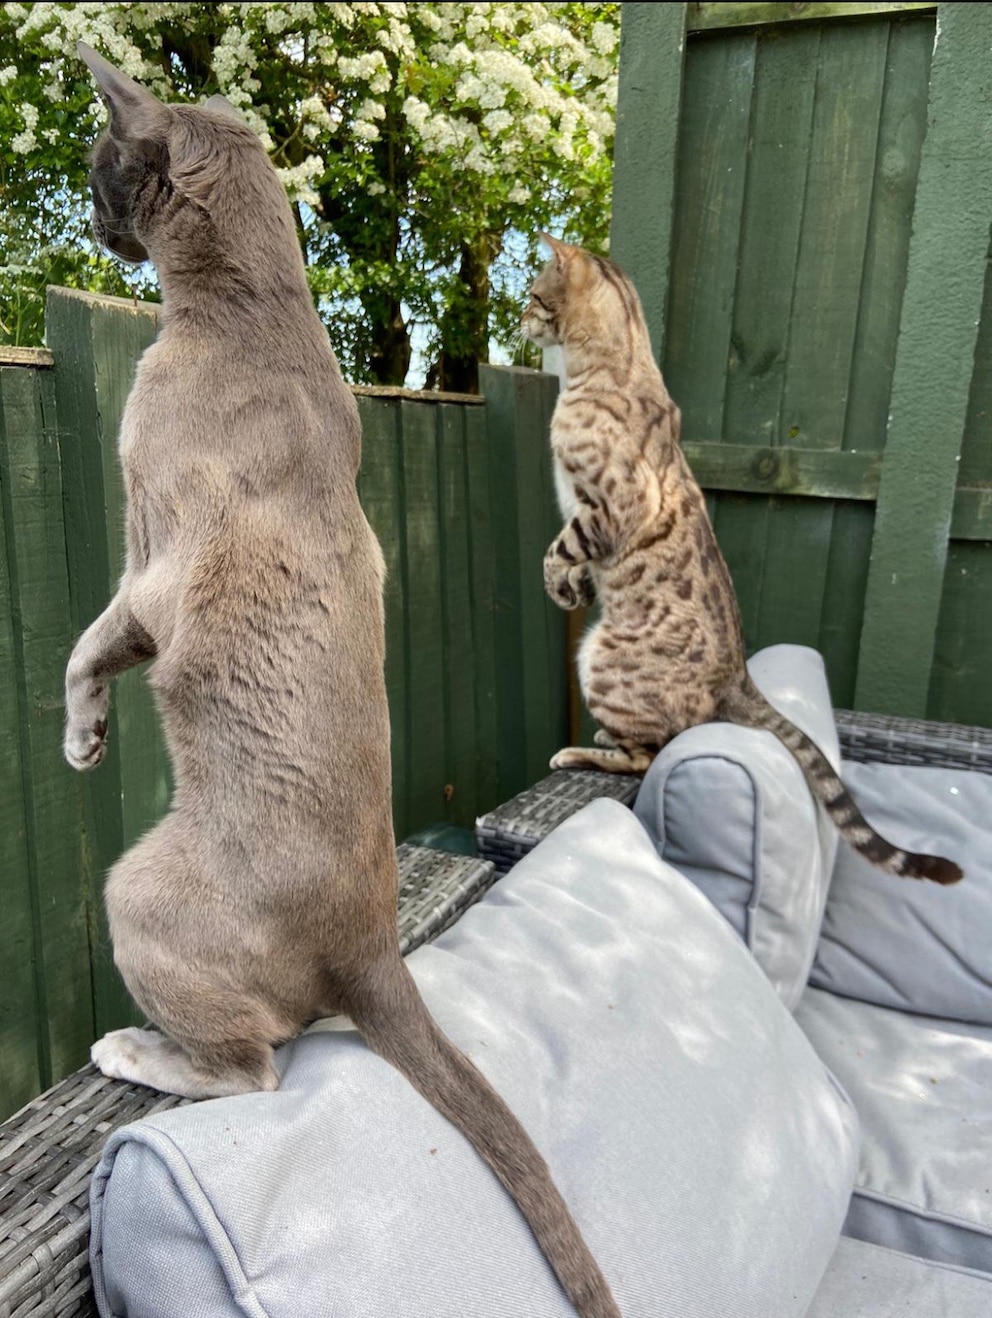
(867, 1281)
(924, 1096)
(898, 943)
(729, 807)
(685, 1117)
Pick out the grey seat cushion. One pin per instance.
(867, 1281)
(915, 946)
(923, 1090)
(729, 807)
(685, 1116)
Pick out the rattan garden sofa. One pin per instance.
(48, 1151)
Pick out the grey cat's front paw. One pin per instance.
(86, 730)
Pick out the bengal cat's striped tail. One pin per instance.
(747, 706)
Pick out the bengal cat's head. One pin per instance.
(579, 297)
(173, 181)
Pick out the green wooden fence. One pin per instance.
(803, 194)
(460, 493)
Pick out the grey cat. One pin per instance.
(267, 896)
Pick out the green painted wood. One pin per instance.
(652, 45)
(849, 82)
(483, 516)
(712, 167)
(499, 390)
(940, 314)
(844, 597)
(544, 658)
(25, 1062)
(975, 467)
(426, 732)
(32, 497)
(460, 787)
(818, 473)
(961, 679)
(380, 487)
(703, 17)
(972, 515)
(901, 129)
(96, 342)
(532, 698)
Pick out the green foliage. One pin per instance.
(424, 147)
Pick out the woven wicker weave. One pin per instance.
(514, 828)
(49, 1149)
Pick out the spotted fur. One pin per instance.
(668, 651)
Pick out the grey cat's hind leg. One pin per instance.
(625, 757)
(145, 1057)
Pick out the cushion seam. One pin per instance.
(196, 1200)
(931, 1215)
(756, 803)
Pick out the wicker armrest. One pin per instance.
(50, 1147)
(507, 833)
(880, 737)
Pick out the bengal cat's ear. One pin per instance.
(561, 252)
(135, 114)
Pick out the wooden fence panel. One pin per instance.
(797, 172)
(48, 974)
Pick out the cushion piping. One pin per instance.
(193, 1196)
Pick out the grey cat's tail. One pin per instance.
(391, 1015)
(746, 705)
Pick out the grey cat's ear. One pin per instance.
(134, 112)
(221, 105)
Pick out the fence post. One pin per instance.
(938, 329)
(652, 51)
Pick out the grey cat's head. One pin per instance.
(154, 160)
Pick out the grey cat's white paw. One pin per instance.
(84, 745)
(118, 1054)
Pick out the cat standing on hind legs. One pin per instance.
(267, 896)
(668, 652)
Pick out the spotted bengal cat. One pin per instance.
(668, 651)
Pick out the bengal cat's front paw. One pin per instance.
(569, 585)
(86, 729)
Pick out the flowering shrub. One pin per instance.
(422, 146)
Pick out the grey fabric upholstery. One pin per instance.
(686, 1119)
(730, 809)
(867, 1281)
(924, 1095)
(915, 946)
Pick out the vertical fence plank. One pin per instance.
(713, 145)
(96, 342)
(530, 631)
(25, 1063)
(940, 316)
(380, 487)
(32, 497)
(454, 559)
(652, 46)
(425, 765)
(901, 128)
(482, 560)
